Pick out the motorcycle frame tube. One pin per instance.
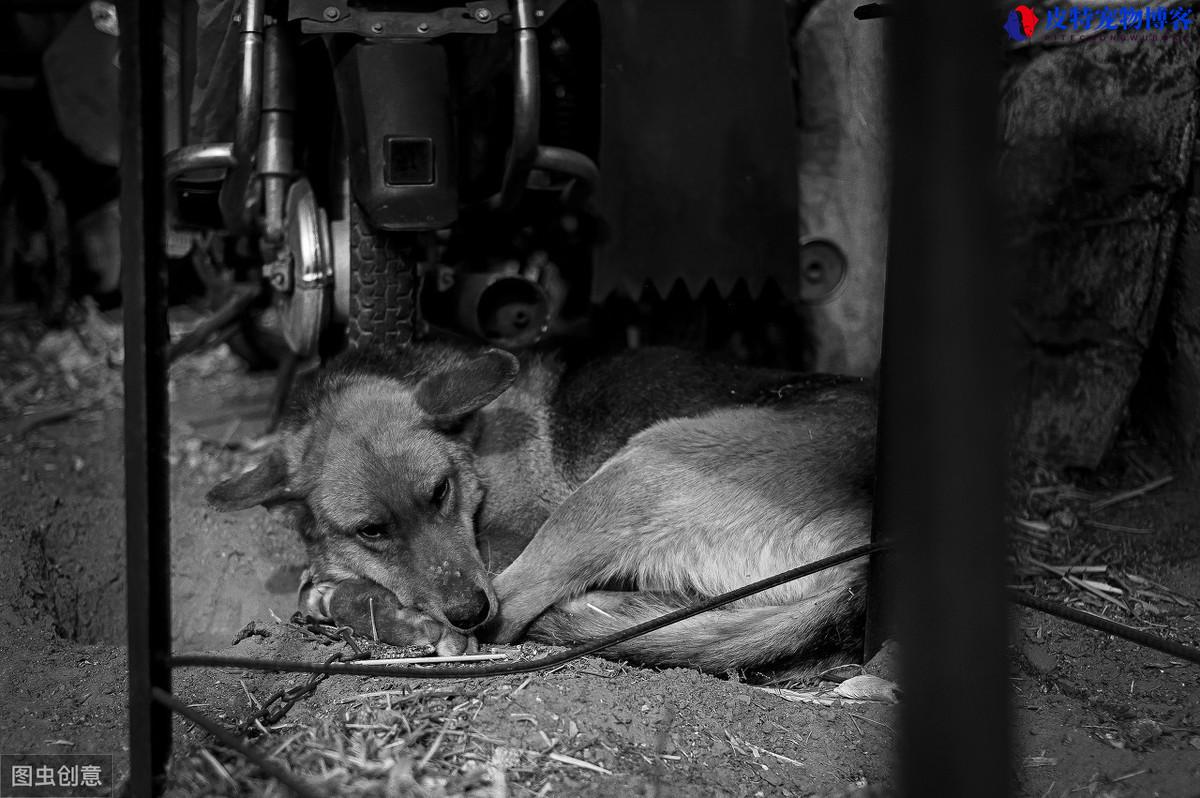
(249, 116)
(573, 164)
(275, 156)
(197, 158)
(527, 106)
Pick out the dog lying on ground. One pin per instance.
(604, 495)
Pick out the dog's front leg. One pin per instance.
(373, 611)
(574, 549)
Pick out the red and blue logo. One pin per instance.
(1021, 22)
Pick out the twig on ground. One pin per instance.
(430, 660)
(579, 763)
(1131, 494)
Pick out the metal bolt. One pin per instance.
(423, 27)
(483, 14)
(332, 13)
(377, 27)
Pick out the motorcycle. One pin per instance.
(497, 169)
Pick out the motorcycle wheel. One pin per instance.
(383, 286)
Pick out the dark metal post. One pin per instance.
(147, 531)
(942, 413)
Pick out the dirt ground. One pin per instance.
(1094, 715)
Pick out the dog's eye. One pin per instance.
(372, 531)
(440, 493)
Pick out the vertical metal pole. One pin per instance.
(147, 531)
(942, 413)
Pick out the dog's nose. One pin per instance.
(470, 612)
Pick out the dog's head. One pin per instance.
(379, 476)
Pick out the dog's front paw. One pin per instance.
(453, 643)
(519, 605)
(373, 611)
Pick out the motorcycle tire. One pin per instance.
(383, 286)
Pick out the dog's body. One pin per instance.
(656, 471)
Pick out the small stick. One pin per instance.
(1132, 494)
(437, 741)
(594, 608)
(427, 660)
(1131, 775)
(1065, 570)
(1100, 586)
(371, 608)
(230, 431)
(222, 773)
(280, 748)
(22, 425)
(253, 701)
(868, 720)
(1132, 530)
(579, 763)
(1077, 582)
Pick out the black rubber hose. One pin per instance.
(1102, 624)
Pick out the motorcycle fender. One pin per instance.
(398, 114)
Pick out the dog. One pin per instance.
(603, 493)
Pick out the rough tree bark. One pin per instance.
(1097, 139)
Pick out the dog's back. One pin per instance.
(599, 405)
(565, 416)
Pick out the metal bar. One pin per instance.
(574, 164)
(942, 414)
(147, 512)
(235, 190)
(275, 159)
(527, 105)
(197, 158)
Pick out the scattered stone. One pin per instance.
(1141, 731)
(1064, 519)
(1040, 659)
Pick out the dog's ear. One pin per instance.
(449, 396)
(265, 484)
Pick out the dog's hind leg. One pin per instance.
(694, 508)
(824, 625)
